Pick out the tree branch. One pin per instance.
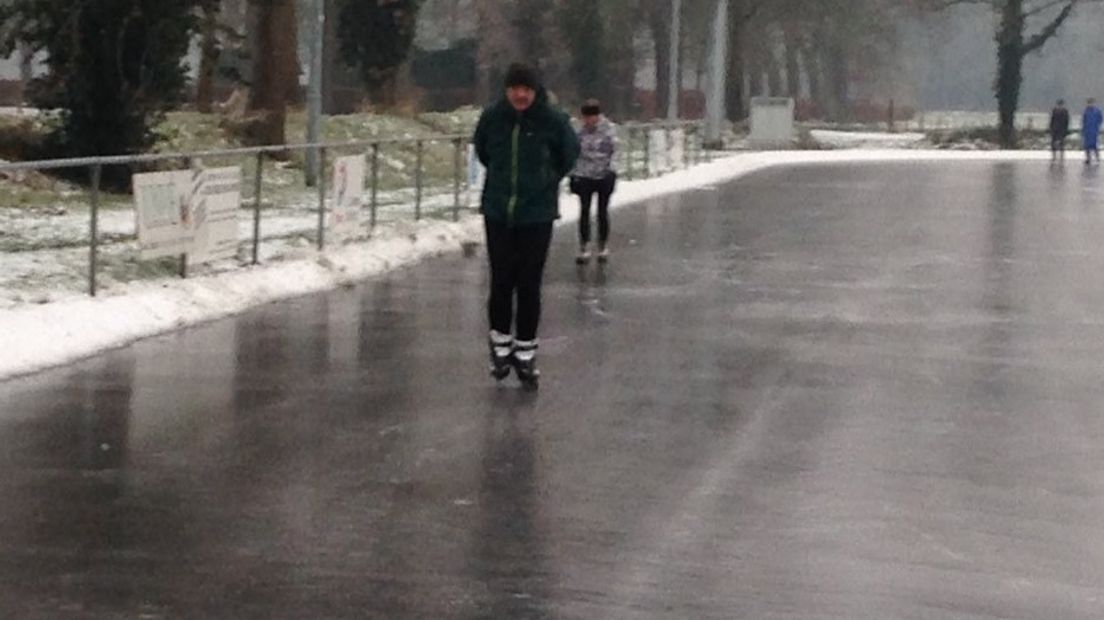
(1037, 41)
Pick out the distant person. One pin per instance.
(527, 147)
(1059, 129)
(1091, 121)
(594, 174)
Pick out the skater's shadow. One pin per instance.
(591, 275)
(510, 554)
(591, 292)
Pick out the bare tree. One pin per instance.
(275, 67)
(209, 53)
(1015, 41)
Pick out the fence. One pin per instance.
(956, 120)
(408, 178)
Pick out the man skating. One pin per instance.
(527, 147)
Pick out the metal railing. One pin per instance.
(437, 186)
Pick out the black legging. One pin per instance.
(517, 256)
(586, 188)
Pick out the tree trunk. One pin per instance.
(331, 59)
(205, 84)
(839, 79)
(1009, 69)
(661, 37)
(734, 77)
(791, 43)
(774, 72)
(275, 67)
(26, 71)
(498, 47)
(235, 15)
(828, 72)
(383, 95)
(529, 30)
(814, 75)
(754, 77)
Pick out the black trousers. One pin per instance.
(1058, 145)
(517, 256)
(586, 189)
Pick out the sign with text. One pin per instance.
(348, 193)
(163, 202)
(215, 215)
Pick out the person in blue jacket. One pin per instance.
(1091, 121)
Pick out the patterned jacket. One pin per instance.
(598, 148)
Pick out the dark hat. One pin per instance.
(522, 75)
(591, 107)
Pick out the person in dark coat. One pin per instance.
(1059, 129)
(527, 147)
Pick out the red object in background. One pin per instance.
(862, 111)
(870, 111)
(691, 105)
(806, 110)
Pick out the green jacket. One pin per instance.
(526, 155)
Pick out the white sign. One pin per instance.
(476, 172)
(659, 158)
(215, 215)
(348, 188)
(163, 201)
(677, 150)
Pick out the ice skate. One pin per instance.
(583, 257)
(501, 346)
(524, 361)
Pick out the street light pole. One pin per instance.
(674, 83)
(314, 94)
(718, 58)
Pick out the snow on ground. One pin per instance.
(18, 111)
(859, 140)
(34, 335)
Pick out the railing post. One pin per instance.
(686, 145)
(699, 156)
(321, 198)
(456, 161)
(418, 183)
(630, 151)
(189, 163)
(667, 144)
(257, 209)
(694, 146)
(647, 152)
(375, 180)
(94, 233)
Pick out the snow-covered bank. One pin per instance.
(34, 337)
(859, 140)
